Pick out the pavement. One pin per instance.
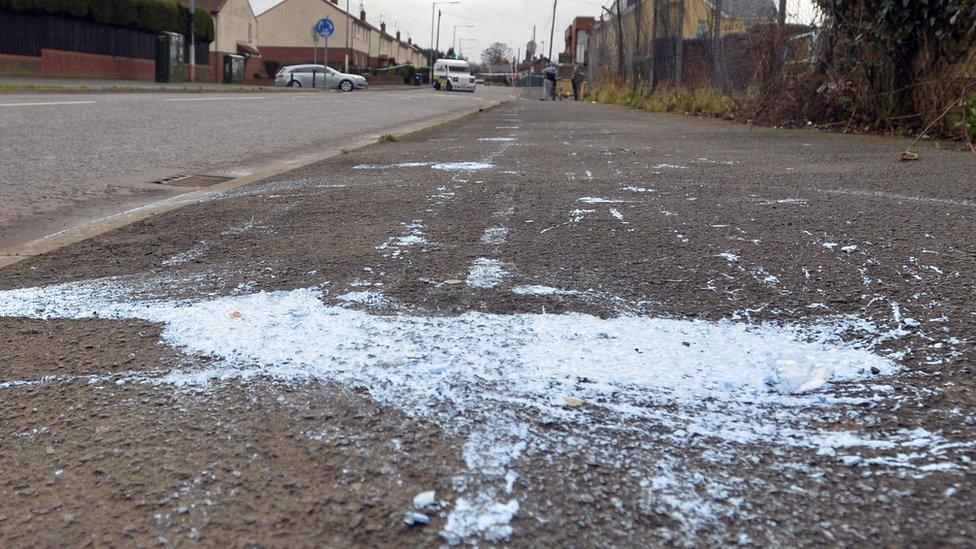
(547, 324)
(70, 159)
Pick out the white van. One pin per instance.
(453, 75)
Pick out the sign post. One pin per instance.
(324, 28)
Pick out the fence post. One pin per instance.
(652, 77)
(717, 46)
(620, 42)
(680, 43)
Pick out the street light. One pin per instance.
(348, 17)
(461, 41)
(456, 27)
(433, 11)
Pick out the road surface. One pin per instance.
(578, 325)
(67, 158)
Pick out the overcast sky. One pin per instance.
(507, 21)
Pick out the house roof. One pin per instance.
(747, 9)
(212, 6)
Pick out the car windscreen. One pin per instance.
(458, 69)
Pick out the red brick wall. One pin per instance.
(301, 56)
(89, 65)
(19, 65)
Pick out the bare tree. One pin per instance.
(496, 54)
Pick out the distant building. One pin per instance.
(235, 32)
(286, 37)
(578, 39)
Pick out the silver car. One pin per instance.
(318, 76)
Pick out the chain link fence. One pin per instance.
(794, 62)
(730, 45)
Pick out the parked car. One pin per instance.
(318, 76)
(479, 81)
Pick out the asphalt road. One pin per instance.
(578, 325)
(66, 158)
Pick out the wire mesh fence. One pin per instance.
(796, 61)
(728, 44)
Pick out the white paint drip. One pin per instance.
(463, 166)
(391, 166)
(534, 289)
(495, 236)
(192, 254)
(486, 273)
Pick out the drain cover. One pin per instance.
(192, 180)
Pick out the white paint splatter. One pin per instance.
(486, 273)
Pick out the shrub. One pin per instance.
(145, 15)
(408, 72)
(120, 13)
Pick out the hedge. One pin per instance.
(144, 15)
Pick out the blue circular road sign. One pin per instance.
(324, 27)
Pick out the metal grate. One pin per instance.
(192, 180)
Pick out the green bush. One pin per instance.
(145, 15)
(408, 72)
(119, 13)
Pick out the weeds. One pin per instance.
(968, 124)
(388, 138)
(698, 102)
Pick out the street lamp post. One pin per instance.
(456, 27)
(348, 17)
(433, 12)
(460, 42)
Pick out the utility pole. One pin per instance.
(193, 40)
(437, 45)
(348, 17)
(782, 13)
(552, 30)
(433, 12)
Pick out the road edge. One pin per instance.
(45, 244)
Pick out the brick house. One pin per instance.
(286, 37)
(235, 32)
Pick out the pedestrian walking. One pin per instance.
(549, 90)
(576, 80)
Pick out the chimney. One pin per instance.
(362, 15)
(398, 36)
(410, 40)
(383, 27)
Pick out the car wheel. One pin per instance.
(294, 84)
(345, 86)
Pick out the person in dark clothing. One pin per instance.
(549, 91)
(577, 81)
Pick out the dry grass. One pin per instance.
(697, 102)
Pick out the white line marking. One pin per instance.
(217, 99)
(46, 103)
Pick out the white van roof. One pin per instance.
(453, 62)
